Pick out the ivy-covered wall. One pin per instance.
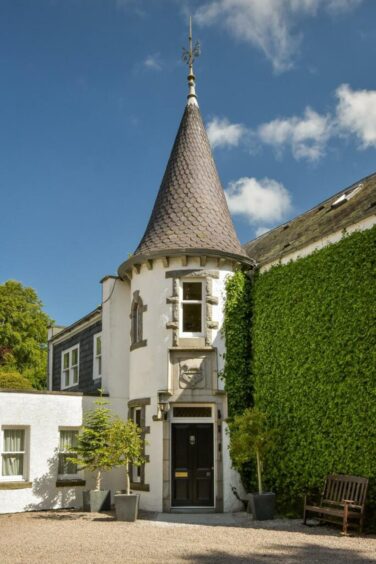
(236, 329)
(313, 365)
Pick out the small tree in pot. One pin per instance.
(92, 453)
(126, 447)
(250, 437)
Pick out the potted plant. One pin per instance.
(126, 447)
(250, 437)
(92, 453)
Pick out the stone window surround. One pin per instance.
(201, 302)
(137, 309)
(132, 405)
(210, 301)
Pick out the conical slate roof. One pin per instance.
(190, 212)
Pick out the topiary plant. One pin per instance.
(250, 437)
(92, 450)
(126, 446)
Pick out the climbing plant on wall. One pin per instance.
(312, 336)
(314, 364)
(236, 329)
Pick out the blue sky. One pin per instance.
(92, 92)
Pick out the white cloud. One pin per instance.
(261, 230)
(153, 62)
(337, 6)
(356, 114)
(269, 25)
(222, 133)
(261, 201)
(307, 136)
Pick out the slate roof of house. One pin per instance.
(81, 321)
(351, 205)
(190, 212)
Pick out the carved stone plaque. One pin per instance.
(191, 374)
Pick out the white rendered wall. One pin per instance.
(115, 337)
(231, 479)
(149, 365)
(42, 415)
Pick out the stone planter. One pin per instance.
(126, 506)
(262, 506)
(96, 500)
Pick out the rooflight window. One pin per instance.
(346, 196)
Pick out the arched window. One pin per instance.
(137, 310)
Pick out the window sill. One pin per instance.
(15, 485)
(138, 487)
(62, 483)
(138, 345)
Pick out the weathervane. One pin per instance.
(189, 57)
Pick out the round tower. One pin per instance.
(176, 281)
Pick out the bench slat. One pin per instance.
(330, 511)
(337, 489)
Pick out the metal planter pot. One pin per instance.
(262, 506)
(96, 500)
(126, 506)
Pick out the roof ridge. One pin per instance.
(323, 203)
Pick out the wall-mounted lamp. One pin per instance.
(163, 406)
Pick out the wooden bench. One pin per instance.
(342, 501)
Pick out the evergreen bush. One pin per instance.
(92, 451)
(13, 380)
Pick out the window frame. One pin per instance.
(97, 359)
(136, 477)
(19, 477)
(137, 322)
(70, 367)
(59, 451)
(191, 334)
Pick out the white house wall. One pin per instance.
(115, 339)
(231, 479)
(42, 415)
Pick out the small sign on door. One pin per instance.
(181, 474)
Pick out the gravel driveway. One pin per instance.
(72, 537)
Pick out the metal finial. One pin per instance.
(189, 57)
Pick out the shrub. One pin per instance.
(13, 380)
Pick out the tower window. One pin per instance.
(137, 311)
(192, 309)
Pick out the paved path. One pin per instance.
(67, 537)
